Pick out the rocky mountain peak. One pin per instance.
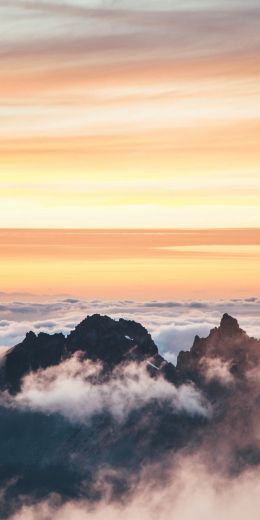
(227, 343)
(100, 338)
(111, 341)
(30, 336)
(229, 326)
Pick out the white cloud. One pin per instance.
(69, 389)
(215, 369)
(172, 338)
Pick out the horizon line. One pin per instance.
(135, 229)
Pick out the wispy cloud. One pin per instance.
(70, 390)
(175, 81)
(192, 491)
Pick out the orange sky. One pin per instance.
(130, 114)
(136, 264)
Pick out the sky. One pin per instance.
(130, 114)
(140, 116)
(135, 264)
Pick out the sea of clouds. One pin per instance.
(173, 324)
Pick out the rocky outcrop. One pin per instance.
(100, 338)
(33, 353)
(104, 339)
(227, 343)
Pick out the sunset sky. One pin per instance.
(133, 115)
(129, 113)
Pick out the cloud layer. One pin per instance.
(173, 324)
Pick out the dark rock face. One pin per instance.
(43, 453)
(228, 343)
(99, 337)
(111, 342)
(33, 353)
(229, 326)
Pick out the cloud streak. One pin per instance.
(75, 72)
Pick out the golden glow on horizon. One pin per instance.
(136, 264)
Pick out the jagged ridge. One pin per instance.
(99, 337)
(112, 342)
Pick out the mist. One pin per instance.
(192, 493)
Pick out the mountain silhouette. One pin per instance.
(103, 397)
(100, 338)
